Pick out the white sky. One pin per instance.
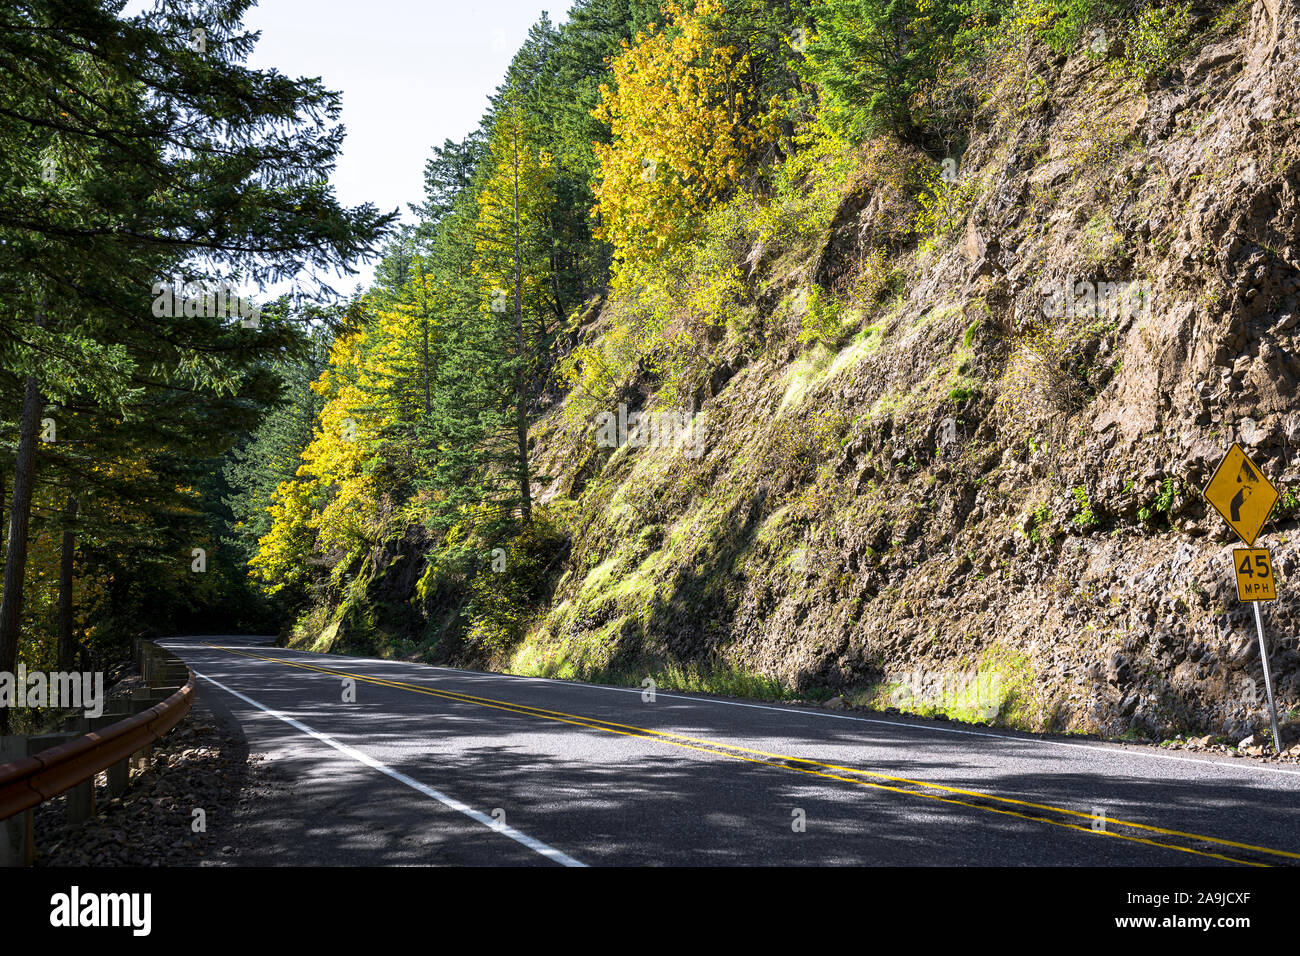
(411, 74)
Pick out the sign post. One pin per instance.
(1268, 681)
(1256, 583)
(1244, 498)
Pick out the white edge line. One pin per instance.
(537, 846)
(799, 711)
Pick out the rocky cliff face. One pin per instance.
(1000, 472)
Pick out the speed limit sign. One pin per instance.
(1255, 580)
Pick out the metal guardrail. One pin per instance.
(30, 780)
(25, 783)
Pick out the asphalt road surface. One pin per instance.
(432, 765)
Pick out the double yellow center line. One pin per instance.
(973, 799)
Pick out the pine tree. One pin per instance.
(513, 263)
(871, 57)
(133, 152)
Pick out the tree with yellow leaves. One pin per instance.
(686, 122)
(329, 506)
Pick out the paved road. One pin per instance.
(439, 766)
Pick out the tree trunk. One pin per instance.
(2, 520)
(67, 642)
(424, 334)
(521, 379)
(20, 510)
(428, 392)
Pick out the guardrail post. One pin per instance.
(18, 833)
(142, 698)
(81, 801)
(81, 798)
(119, 774)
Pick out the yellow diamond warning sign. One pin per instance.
(1240, 492)
(1255, 581)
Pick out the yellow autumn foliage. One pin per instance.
(330, 506)
(685, 123)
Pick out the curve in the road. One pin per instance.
(1201, 844)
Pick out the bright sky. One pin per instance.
(412, 74)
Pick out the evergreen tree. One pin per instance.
(871, 57)
(134, 153)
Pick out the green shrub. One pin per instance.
(1153, 39)
(502, 602)
(820, 315)
(872, 59)
(1085, 519)
(1039, 531)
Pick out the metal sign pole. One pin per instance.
(1268, 680)
(1244, 497)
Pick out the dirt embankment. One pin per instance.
(976, 508)
(998, 472)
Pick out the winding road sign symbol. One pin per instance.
(1241, 494)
